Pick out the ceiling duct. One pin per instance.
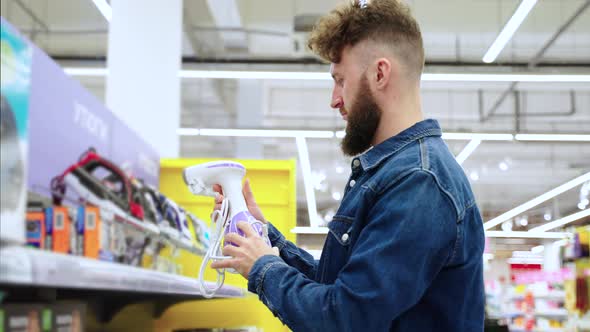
(305, 22)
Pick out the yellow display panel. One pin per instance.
(273, 183)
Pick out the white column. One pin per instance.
(144, 58)
(551, 261)
(249, 98)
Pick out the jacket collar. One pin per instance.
(374, 156)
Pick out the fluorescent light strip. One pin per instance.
(468, 150)
(473, 77)
(261, 75)
(528, 235)
(524, 260)
(104, 8)
(552, 137)
(291, 75)
(560, 222)
(187, 132)
(86, 72)
(496, 234)
(536, 201)
(509, 29)
(341, 133)
(306, 170)
(478, 136)
(265, 133)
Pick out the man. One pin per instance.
(404, 250)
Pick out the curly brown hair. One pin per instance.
(387, 22)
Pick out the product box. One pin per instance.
(93, 236)
(25, 318)
(68, 317)
(36, 228)
(58, 228)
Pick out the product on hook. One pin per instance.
(98, 181)
(228, 174)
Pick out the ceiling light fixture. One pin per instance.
(528, 235)
(509, 29)
(86, 72)
(478, 136)
(524, 260)
(266, 133)
(294, 75)
(104, 8)
(467, 150)
(503, 166)
(536, 201)
(552, 137)
(336, 195)
(560, 222)
(537, 249)
(507, 226)
(187, 132)
(341, 134)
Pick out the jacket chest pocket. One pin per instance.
(336, 249)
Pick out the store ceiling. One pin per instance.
(456, 34)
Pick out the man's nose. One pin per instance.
(336, 100)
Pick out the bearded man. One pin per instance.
(404, 250)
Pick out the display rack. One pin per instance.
(555, 313)
(548, 329)
(552, 295)
(153, 231)
(116, 285)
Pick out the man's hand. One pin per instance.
(250, 247)
(248, 196)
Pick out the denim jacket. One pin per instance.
(403, 252)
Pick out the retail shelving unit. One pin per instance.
(27, 272)
(519, 329)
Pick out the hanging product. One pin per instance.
(99, 182)
(228, 174)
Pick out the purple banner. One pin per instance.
(66, 120)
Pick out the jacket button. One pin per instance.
(356, 163)
(344, 237)
(352, 183)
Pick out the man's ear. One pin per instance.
(384, 73)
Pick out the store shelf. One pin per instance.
(168, 235)
(552, 295)
(145, 227)
(21, 266)
(513, 328)
(554, 313)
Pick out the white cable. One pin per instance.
(219, 222)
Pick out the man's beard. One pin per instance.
(363, 120)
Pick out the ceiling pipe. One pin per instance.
(536, 59)
(523, 95)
